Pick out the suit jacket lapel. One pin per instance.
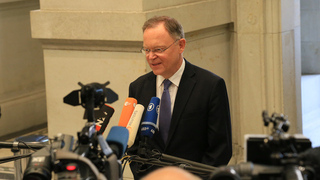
(185, 90)
(150, 87)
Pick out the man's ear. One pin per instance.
(182, 44)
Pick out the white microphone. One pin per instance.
(134, 122)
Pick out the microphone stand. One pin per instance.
(144, 148)
(146, 156)
(157, 162)
(187, 163)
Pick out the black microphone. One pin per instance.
(104, 113)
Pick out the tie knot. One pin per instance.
(166, 83)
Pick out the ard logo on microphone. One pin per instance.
(150, 107)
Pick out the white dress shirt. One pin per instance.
(175, 79)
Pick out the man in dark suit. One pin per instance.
(200, 128)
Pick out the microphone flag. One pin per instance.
(149, 124)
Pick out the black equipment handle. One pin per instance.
(21, 145)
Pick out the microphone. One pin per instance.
(149, 124)
(104, 146)
(105, 113)
(118, 140)
(102, 117)
(127, 111)
(134, 123)
(114, 147)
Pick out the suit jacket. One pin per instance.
(200, 127)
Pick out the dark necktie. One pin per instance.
(165, 111)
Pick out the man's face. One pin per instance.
(169, 61)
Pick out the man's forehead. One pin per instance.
(155, 25)
(155, 31)
(156, 36)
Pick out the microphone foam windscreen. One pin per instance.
(134, 123)
(149, 124)
(118, 136)
(127, 111)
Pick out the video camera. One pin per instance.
(92, 157)
(274, 157)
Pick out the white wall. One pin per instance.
(310, 63)
(310, 90)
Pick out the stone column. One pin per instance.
(266, 68)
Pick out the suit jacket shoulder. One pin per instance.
(143, 88)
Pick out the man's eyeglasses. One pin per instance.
(146, 51)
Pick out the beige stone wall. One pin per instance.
(104, 37)
(22, 86)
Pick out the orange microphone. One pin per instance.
(127, 111)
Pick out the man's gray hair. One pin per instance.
(173, 27)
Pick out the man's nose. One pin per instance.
(152, 55)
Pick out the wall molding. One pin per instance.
(6, 5)
(92, 45)
(18, 97)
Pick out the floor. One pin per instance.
(7, 170)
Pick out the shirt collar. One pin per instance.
(175, 79)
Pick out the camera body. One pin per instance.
(41, 163)
(264, 149)
(88, 159)
(271, 157)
